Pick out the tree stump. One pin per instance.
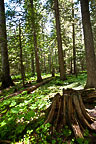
(88, 95)
(69, 109)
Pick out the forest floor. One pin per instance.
(22, 116)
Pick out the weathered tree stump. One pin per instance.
(89, 95)
(69, 109)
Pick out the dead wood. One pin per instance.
(5, 141)
(88, 95)
(70, 110)
(84, 110)
(29, 89)
(79, 112)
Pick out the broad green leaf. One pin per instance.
(13, 103)
(29, 115)
(24, 92)
(6, 102)
(4, 111)
(15, 110)
(20, 116)
(2, 123)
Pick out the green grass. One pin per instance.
(18, 113)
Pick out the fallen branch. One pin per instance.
(88, 95)
(29, 89)
(5, 141)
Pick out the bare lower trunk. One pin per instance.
(38, 71)
(89, 45)
(32, 64)
(21, 57)
(50, 60)
(59, 41)
(39, 78)
(44, 63)
(73, 36)
(71, 66)
(6, 79)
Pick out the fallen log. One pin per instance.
(89, 95)
(29, 89)
(5, 141)
(69, 109)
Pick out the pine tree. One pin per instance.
(6, 79)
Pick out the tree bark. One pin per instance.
(38, 71)
(69, 109)
(50, 60)
(45, 62)
(39, 78)
(6, 79)
(73, 36)
(59, 40)
(71, 65)
(89, 45)
(32, 63)
(21, 57)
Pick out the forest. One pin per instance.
(47, 72)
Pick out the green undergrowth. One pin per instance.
(22, 117)
(29, 80)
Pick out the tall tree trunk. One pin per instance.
(6, 79)
(71, 65)
(59, 40)
(32, 63)
(44, 62)
(56, 59)
(39, 78)
(42, 48)
(41, 59)
(89, 45)
(38, 71)
(73, 35)
(49, 60)
(21, 57)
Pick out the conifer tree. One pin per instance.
(6, 79)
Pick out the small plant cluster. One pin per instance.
(42, 135)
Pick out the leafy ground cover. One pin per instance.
(22, 117)
(29, 81)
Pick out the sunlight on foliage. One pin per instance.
(18, 113)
